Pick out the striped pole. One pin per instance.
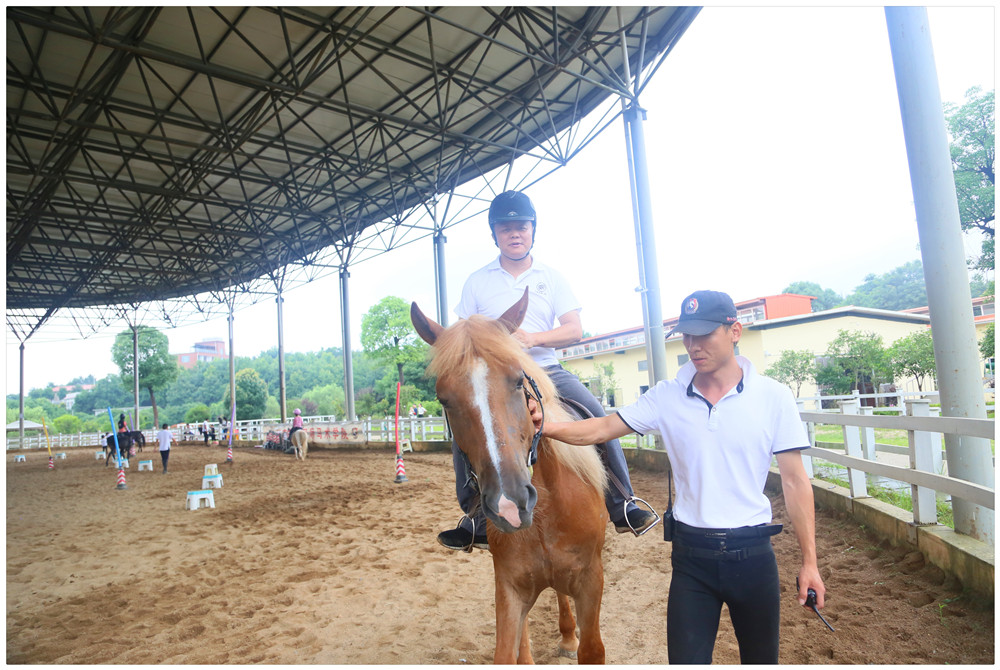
(121, 479)
(48, 445)
(232, 425)
(400, 470)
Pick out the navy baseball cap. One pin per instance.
(704, 311)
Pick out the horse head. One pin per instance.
(481, 383)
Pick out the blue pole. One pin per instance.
(114, 431)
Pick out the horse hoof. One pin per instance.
(566, 653)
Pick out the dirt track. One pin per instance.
(331, 562)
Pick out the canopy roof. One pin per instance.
(158, 152)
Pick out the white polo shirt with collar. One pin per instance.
(720, 454)
(491, 291)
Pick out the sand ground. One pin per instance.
(330, 561)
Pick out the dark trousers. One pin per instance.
(567, 386)
(700, 585)
(164, 455)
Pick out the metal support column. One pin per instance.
(20, 409)
(956, 351)
(440, 286)
(135, 370)
(345, 329)
(646, 242)
(232, 366)
(281, 357)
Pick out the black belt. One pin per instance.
(722, 555)
(763, 530)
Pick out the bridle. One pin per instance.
(532, 457)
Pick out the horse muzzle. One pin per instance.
(511, 513)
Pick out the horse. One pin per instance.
(300, 442)
(545, 519)
(124, 443)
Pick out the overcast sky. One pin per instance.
(775, 153)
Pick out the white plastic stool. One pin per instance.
(124, 463)
(211, 469)
(19, 458)
(98, 455)
(212, 481)
(404, 445)
(61, 456)
(195, 498)
(145, 465)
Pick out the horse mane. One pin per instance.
(479, 337)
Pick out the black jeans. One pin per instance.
(700, 585)
(164, 455)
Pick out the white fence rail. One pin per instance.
(925, 452)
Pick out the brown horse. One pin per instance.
(545, 522)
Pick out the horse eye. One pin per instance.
(519, 386)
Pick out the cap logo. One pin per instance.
(691, 306)
(512, 212)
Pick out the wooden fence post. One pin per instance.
(852, 444)
(921, 458)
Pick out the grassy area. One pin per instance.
(831, 433)
(901, 499)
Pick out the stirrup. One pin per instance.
(637, 499)
(472, 543)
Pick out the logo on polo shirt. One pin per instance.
(541, 288)
(691, 306)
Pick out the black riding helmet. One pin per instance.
(512, 206)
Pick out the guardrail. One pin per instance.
(926, 457)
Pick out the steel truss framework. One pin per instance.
(168, 164)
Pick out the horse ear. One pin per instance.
(513, 317)
(426, 329)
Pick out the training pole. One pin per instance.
(48, 444)
(400, 470)
(232, 427)
(121, 486)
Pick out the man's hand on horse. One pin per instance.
(526, 339)
(536, 413)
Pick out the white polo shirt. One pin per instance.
(491, 291)
(720, 455)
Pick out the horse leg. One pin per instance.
(512, 639)
(567, 627)
(524, 649)
(588, 611)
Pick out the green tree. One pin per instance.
(987, 349)
(832, 377)
(973, 158)
(107, 392)
(793, 368)
(825, 298)
(329, 399)
(913, 356)
(251, 395)
(900, 288)
(67, 424)
(388, 336)
(197, 413)
(862, 358)
(157, 368)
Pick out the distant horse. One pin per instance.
(300, 442)
(546, 521)
(124, 444)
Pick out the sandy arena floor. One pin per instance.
(330, 561)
